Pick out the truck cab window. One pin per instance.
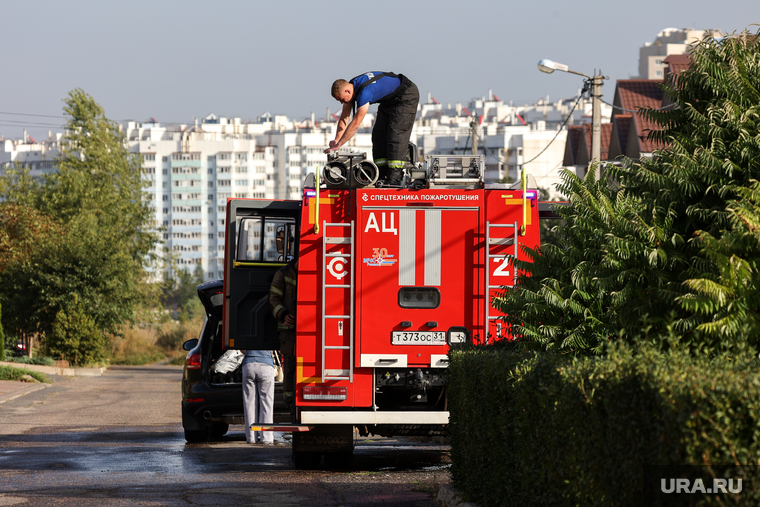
(265, 239)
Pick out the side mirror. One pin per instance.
(190, 344)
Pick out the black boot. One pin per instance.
(393, 178)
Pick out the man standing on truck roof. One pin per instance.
(398, 98)
(282, 297)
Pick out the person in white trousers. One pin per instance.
(258, 394)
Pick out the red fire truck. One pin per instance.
(388, 279)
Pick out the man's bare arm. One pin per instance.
(344, 134)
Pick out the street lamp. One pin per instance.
(550, 66)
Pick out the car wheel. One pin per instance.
(219, 429)
(306, 460)
(196, 436)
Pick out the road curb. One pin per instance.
(52, 370)
(23, 391)
(448, 496)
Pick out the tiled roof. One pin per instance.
(605, 139)
(622, 125)
(677, 63)
(572, 144)
(631, 94)
(578, 145)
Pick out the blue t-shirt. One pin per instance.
(258, 356)
(376, 90)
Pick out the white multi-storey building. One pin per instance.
(670, 41)
(191, 170)
(510, 137)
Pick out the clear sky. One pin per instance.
(179, 60)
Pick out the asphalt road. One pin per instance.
(117, 440)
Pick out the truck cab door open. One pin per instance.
(261, 237)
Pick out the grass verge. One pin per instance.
(13, 373)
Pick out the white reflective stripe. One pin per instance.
(432, 247)
(370, 417)
(406, 246)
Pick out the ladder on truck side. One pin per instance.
(327, 257)
(490, 242)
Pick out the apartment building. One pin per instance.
(509, 136)
(191, 170)
(670, 41)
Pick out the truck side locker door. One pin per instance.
(260, 238)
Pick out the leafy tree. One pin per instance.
(74, 335)
(729, 299)
(557, 302)
(663, 243)
(94, 238)
(180, 292)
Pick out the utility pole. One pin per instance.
(550, 66)
(474, 127)
(596, 123)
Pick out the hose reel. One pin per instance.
(340, 167)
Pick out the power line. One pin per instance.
(670, 106)
(580, 96)
(31, 114)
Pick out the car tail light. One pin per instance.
(193, 362)
(324, 393)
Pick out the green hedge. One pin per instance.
(542, 429)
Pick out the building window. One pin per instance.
(186, 156)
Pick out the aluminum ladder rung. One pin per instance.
(338, 240)
(513, 241)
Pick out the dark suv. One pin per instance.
(213, 401)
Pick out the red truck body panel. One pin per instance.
(419, 264)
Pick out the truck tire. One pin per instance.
(305, 460)
(196, 436)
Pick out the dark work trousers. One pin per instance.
(392, 130)
(288, 349)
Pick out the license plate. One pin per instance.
(418, 338)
